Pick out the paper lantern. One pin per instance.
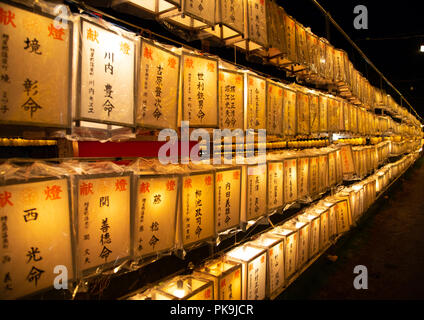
(301, 45)
(289, 112)
(106, 76)
(151, 294)
(153, 7)
(313, 176)
(346, 117)
(157, 105)
(314, 113)
(324, 216)
(231, 100)
(188, 288)
(340, 58)
(276, 31)
(156, 205)
(303, 229)
(198, 211)
(200, 91)
(343, 214)
(348, 167)
(256, 102)
(275, 185)
(314, 232)
(322, 172)
(103, 215)
(354, 119)
(313, 52)
(226, 277)
(303, 118)
(329, 62)
(254, 192)
(274, 247)
(274, 109)
(322, 55)
(227, 198)
(332, 219)
(290, 180)
(253, 262)
(332, 115)
(323, 113)
(332, 169)
(303, 177)
(290, 238)
(36, 68)
(35, 216)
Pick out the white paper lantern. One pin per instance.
(188, 288)
(290, 237)
(303, 229)
(231, 100)
(275, 185)
(153, 7)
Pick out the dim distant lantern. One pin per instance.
(348, 167)
(329, 62)
(200, 91)
(312, 42)
(314, 113)
(290, 180)
(154, 7)
(274, 246)
(36, 235)
(106, 76)
(155, 214)
(256, 102)
(289, 29)
(303, 118)
(276, 32)
(303, 229)
(314, 233)
(290, 237)
(301, 45)
(198, 210)
(227, 198)
(275, 185)
(255, 25)
(274, 109)
(36, 68)
(254, 266)
(188, 288)
(289, 112)
(303, 177)
(231, 100)
(313, 184)
(343, 214)
(157, 105)
(323, 114)
(226, 277)
(254, 192)
(103, 211)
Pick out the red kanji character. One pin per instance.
(187, 183)
(270, 166)
(7, 17)
(211, 67)
(250, 82)
(121, 185)
(53, 193)
(189, 63)
(237, 274)
(221, 77)
(270, 89)
(56, 34)
(172, 62)
(236, 175)
(280, 92)
(86, 188)
(263, 259)
(144, 187)
(208, 294)
(238, 79)
(263, 85)
(208, 180)
(219, 177)
(4, 199)
(170, 185)
(223, 283)
(148, 53)
(262, 2)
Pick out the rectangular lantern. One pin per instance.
(342, 213)
(231, 100)
(323, 172)
(200, 91)
(323, 113)
(254, 266)
(324, 237)
(227, 198)
(348, 166)
(329, 62)
(346, 116)
(340, 57)
(332, 218)
(322, 47)
(339, 166)
(155, 214)
(276, 32)
(354, 118)
(256, 102)
(340, 118)
(188, 288)
(274, 247)
(303, 229)
(302, 177)
(314, 113)
(290, 180)
(226, 277)
(153, 7)
(36, 68)
(313, 176)
(303, 118)
(314, 233)
(290, 238)
(289, 30)
(198, 207)
(332, 169)
(313, 52)
(275, 185)
(159, 76)
(332, 114)
(254, 192)
(274, 109)
(106, 77)
(301, 45)
(35, 216)
(289, 112)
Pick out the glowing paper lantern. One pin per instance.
(332, 115)
(340, 58)
(322, 172)
(198, 212)
(231, 100)
(354, 119)
(36, 235)
(313, 52)
(289, 112)
(103, 215)
(188, 288)
(274, 109)
(314, 233)
(226, 277)
(36, 68)
(253, 262)
(275, 185)
(323, 113)
(343, 214)
(313, 176)
(324, 237)
(303, 229)
(290, 180)
(276, 32)
(303, 118)
(339, 166)
(332, 169)
(193, 14)
(274, 247)
(348, 167)
(254, 191)
(154, 7)
(314, 113)
(256, 102)
(155, 213)
(332, 219)
(329, 62)
(346, 116)
(301, 45)
(302, 177)
(158, 87)
(290, 238)
(227, 198)
(106, 77)
(200, 91)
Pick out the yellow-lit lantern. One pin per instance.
(314, 233)
(329, 62)
(339, 166)
(275, 185)
(153, 7)
(324, 237)
(303, 229)
(332, 218)
(36, 235)
(323, 113)
(276, 32)
(150, 294)
(254, 266)
(303, 177)
(231, 100)
(226, 277)
(323, 172)
(188, 288)
(353, 118)
(290, 180)
(340, 58)
(332, 169)
(256, 102)
(36, 68)
(155, 213)
(303, 119)
(200, 90)
(103, 215)
(313, 176)
(289, 112)
(346, 116)
(157, 105)
(314, 113)
(301, 45)
(254, 192)
(290, 238)
(274, 247)
(343, 214)
(322, 55)
(227, 198)
(348, 167)
(274, 109)
(198, 207)
(313, 52)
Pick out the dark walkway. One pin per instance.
(390, 243)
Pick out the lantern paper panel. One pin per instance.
(274, 109)
(227, 198)
(348, 167)
(275, 185)
(103, 220)
(339, 117)
(36, 69)
(289, 112)
(256, 26)
(323, 113)
(256, 191)
(290, 180)
(332, 220)
(303, 230)
(329, 62)
(231, 19)
(314, 233)
(314, 113)
(332, 170)
(155, 214)
(343, 216)
(154, 7)
(339, 166)
(231, 100)
(276, 32)
(354, 119)
(301, 45)
(303, 177)
(36, 235)
(346, 116)
(322, 51)
(290, 33)
(200, 91)
(256, 102)
(324, 227)
(313, 176)
(290, 249)
(302, 113)
(188, 288)
(107, 77)
(198, 208)
(157, 105)
(195, 14)
(323, 172)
